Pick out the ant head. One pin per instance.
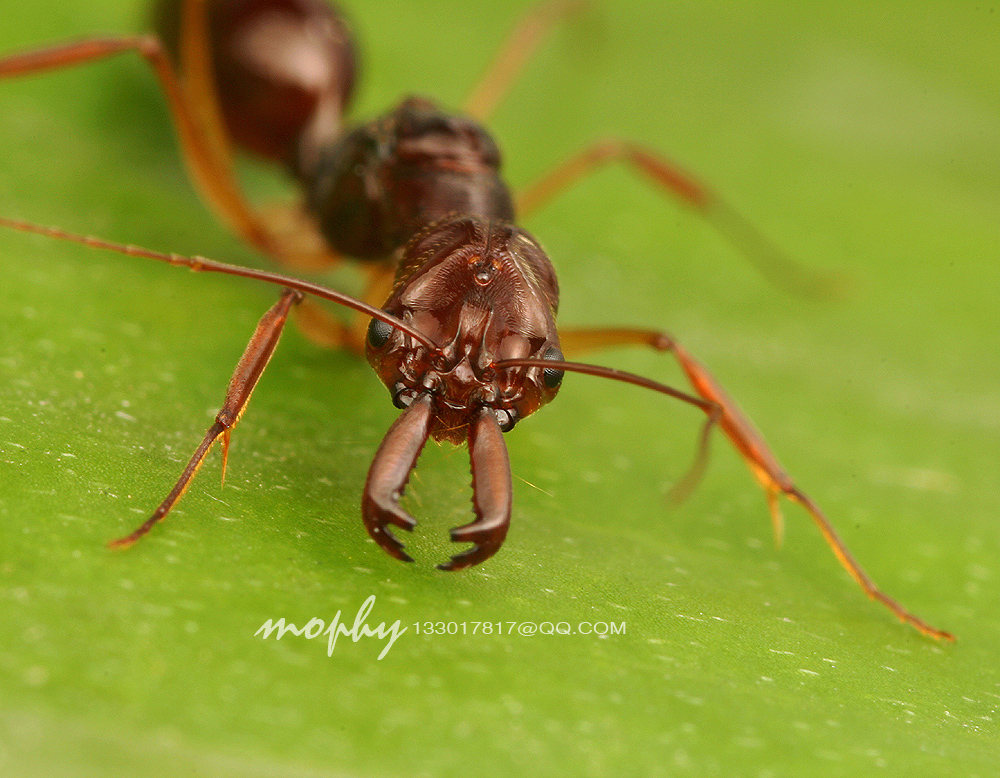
(481, 292)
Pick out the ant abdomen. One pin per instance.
(284, 71)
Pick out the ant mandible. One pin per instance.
(458, 319)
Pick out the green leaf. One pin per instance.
(861, 138)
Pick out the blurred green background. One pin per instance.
(864, 139)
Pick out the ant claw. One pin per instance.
(382, 535)
(473, 556)
(389, 472)
(492, 494)
(487, 537)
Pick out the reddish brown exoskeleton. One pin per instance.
(459, 319)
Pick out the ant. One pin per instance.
(458, 319)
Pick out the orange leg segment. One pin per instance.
(752, 447)
(189, 88)
(210, 171)
(515, 52)
(248, 371)
(770, 261)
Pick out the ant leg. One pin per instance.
(751, 446)
(770, 261)
(248, 371)
(515, 52)
(192, 106)
(288, 234)
(211, 174)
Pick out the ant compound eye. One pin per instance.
(378, 333)
(506, 419)
(552, 376)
